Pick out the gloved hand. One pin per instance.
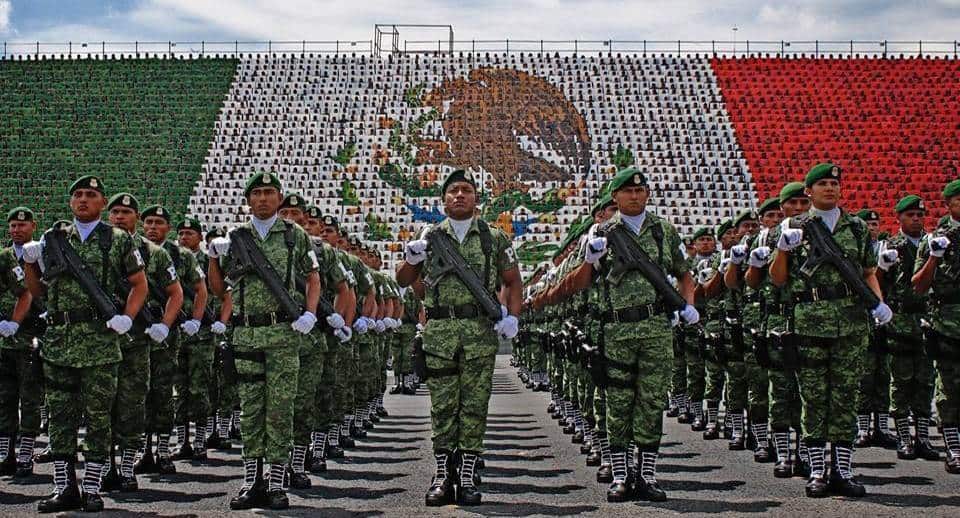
(419, 326)
(673, 281)
(938, 246)
(724, 263)
(415, 251)
(120, 323)
(759, 257)
(190, 326)
(391, 323)
(507, 327)
(738, 253)
(790, 238)
(218, 328)
(596, 248)
(379, 326)
(705, 275)
(219, 247)
(882, 313)
(305, 323)
(344, 333)
(361, 324)
(675, 319)
(689, 314)
(887, 257)
(335, 321)
(32, 252)
(158, 332)
(8, 328)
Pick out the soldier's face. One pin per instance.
(460, 200)
(632, 200)
(705, 245)
(729, 238)
(771, 218)
(795, 205)
(189, 238)
(874, 228)
(156, 228)
(748, 227)
(824, 194)
(21, 231)
(295, 215)
(911, 222)
(87, 204)
(264, 202)
(313, 227)
(953, 205)
(124, 218)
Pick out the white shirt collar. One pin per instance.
(634, 222)
(85, 229)
(18, 249)
(461, 227)
(830, 217)
(263, 225)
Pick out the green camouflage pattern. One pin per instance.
(12, 284)
(20, 398)
(133, 384)
(78, 395)
(828, 379)
(267, 407)
(163, 374)
(305, 404)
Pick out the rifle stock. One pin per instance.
(632, 257)
(824, 249)
(450, 260)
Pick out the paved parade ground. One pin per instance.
(532, 469)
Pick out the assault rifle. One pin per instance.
(60, 258)
(450, 260)
(248, 258)
(631, 257)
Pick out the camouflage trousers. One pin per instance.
(948, 388)
(715, 377)
(163, 374)
(696, 369)
(635, 401)
(74, 394)
(912, 377)
(678, 375)
(600, 407)
(267, 381)
(347, 377)
(784, 406)
(383, 352)
(758, 386)
(536, 358)
(20, 393)
(874, 392)
(400, 349)
(829, 374)
(571, 376)
(368, 370)
(223, 394)
(586, 393)
(194, 376)
(306, 417)
(133, 383)
(327, 413)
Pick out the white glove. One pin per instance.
(305, 323)
(724, 263)
(675, 319)
(938, 246)
(335, 321)
(419, 326)
(391, 323)
(415, 251)
(596, 248)
(673, 281)
(689, 314)
(344, 333)
(120, 323)
(507, 327)
(705, 275)
(32, 252)
(219, 247)
(790, 238)
(379, 326)
(361, 325)
(190, 326)
(8, 328)
(759, 257)
(882, 313)
(738, 253)
(218, 328)
(158, 332)
(887, 257)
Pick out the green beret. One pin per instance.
(951, 189)
(330, 221)
(190, 224)
(215, 232)
(702, 231)
(627, 177)
(262, 179)
(726, 225)
(354, 241)
(313, 212)
(910, 202)
(821, 171)
(868, 215)
(601, 204)
(124, 199)
(687, 240)
(293, 201)
(87, 182)
(156, 210)
(745, 215)
(20, 214)
(460, 175)
(768, 205)
(791, 190)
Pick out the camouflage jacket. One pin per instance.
(898, 293)
(944, 316)
(188, 271)
(12, 286)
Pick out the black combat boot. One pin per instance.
(712, 431)
(620, 488)
(253, 492)
(698, 423)
(66, 494)
(922, 444)
(783, 468)
(882, 437)
(737, 439)
(296, 469)
(441, 490)
(817, 486)
(147, 463)
(647, 488)
(905, 449)
(863, 431)
(318, 455)
(8, 456)
(951, 437)
(467, 491)
(842, 481)
(111, 480)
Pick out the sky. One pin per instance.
(257, 20)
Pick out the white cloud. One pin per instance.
(5, 8)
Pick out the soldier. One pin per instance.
(874, 395)
(706, 247)
(459, 340)
(832, 326)
(133, 380)
(194, 355)
(935, 270)
(367, 326)
(912, 374)
(82, 353)
(400, 350)
(638, 339)
(21, 376)
(266, 341)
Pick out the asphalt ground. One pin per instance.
(532, 470)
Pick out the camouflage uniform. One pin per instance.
(874, 393)
(328, 411)
(348, 389)
(400, 350)
(714, 349)
(195, 353)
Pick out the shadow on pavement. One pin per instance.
(512, 509)
(503, 488)
(688, 505)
